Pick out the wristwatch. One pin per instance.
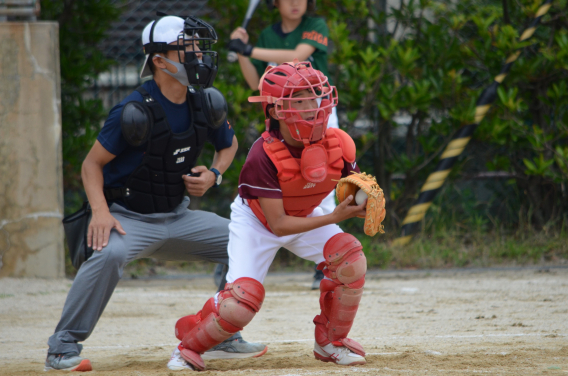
(218, 177)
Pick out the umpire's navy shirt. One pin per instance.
(128, 157)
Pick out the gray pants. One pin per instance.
(181, 234)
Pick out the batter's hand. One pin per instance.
(198, 185)
(345, 211)
(99, 229)
(240, 33)
(240, 47)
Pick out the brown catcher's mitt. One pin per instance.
(375, 199)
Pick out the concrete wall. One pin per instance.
(31, 182)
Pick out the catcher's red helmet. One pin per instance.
(277, 86)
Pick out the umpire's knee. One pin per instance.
(113, 255)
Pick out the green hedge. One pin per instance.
(415, 87)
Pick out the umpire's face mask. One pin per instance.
(180, 74)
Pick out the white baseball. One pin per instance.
(360, 197)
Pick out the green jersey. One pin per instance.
(312, 31)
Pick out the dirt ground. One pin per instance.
(458, 322)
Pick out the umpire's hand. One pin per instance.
(198, 185)
(101, 224)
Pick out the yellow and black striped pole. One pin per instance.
(433, 184)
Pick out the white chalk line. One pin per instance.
(478, 335)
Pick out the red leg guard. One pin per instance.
(339, 300)
(236, 307)
(345, 261)
(186, 323)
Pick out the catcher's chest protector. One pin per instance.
(156, 185)
(301, 196)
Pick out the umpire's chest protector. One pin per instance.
(156, 185)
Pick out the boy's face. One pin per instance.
(304, 100)
(292, 9)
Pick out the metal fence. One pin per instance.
(124, 44)
(19, 10)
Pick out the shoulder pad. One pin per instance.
(215, 107)
(347, 144)
(136, 123)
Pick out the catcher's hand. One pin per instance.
(375, 199)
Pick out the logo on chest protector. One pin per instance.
(182, 150)
(309, 185)
(180, 160)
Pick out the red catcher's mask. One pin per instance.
(278, 85)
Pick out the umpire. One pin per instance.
(135, 177)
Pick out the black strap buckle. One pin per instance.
(112, 194)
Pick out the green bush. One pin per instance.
(430, 69)
(414, 83)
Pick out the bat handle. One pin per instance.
(232, 56)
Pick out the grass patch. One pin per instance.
(442, 249)
(475, 249)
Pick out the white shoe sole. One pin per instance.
(84, 366)
(180, 368)
(210, 355)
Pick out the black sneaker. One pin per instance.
(235, 348)
(318, 276)
(218, 274)
(67, 362)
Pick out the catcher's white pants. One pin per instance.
(328, 203)
(252, 247)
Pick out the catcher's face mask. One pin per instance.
(302, 98)
(306, 112)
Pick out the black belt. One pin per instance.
(112, 194)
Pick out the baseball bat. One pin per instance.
(232, 56)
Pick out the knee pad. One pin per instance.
(345, 261)
(236, 306)
(240, 302)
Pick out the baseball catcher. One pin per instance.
(289, 170)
